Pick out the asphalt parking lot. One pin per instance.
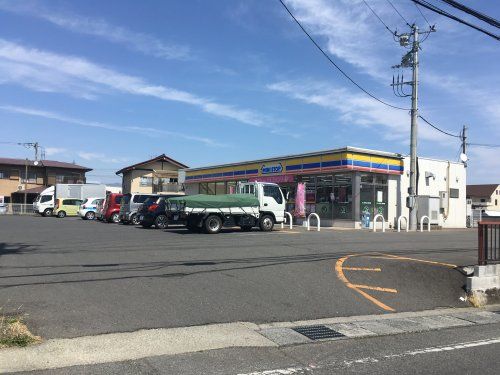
(73, 277)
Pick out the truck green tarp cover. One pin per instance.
(216, 201)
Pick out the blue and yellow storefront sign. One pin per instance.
(313, 164)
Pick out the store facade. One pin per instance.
(342, 186)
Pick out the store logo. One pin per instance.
(274, 168)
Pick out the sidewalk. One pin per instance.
(106, 348)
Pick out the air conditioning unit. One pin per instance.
(428, 206)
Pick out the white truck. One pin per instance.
(255, 204)
(44, 203)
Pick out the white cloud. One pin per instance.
(145, 131)
(483, 166)
(141, 42)
(72, 73)
(354, 108)
(348, 31)
(49, 151)
(96, 156)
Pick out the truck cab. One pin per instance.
(271, 199)
(44, 203)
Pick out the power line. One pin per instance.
(472, 12)
(380, 19)
(435, 9)
(334, 64)
(439, 130)
(397, 11)
(483, 145)
(423, 15)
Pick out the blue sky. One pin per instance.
(108, 84)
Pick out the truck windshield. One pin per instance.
(44, 198)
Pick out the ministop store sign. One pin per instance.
(273, 168)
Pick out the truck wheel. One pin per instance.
(61, 214)
(266, 223)
(135, 219)
(90, 215)
(47, 212)
(161, 222)
(212, 224)
(115, 218)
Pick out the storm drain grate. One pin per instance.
(318, 332)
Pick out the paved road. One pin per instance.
(74, 277)
(465, 350)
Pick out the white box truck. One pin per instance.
(44, 203)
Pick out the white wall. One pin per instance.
(454, 178)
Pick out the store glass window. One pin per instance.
(220, 188)
(373, 195)
(342, 196)
(211, 188)
(324, 196)
(231, 187)
(203, 188)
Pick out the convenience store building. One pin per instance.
(344, 185)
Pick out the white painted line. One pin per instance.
(284, 371)
(435, 349)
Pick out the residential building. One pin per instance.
(156, 175)
(18, 176)
(347, 185)
(484, 197)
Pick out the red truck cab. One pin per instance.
(112, 208)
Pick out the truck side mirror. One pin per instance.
(287, 195)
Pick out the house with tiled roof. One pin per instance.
(19, 176)
(485, 197)
(156, 175)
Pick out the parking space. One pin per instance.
(73, 277)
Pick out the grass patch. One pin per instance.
(13, 332)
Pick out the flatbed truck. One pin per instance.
(255, 204)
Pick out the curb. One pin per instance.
(115, 347)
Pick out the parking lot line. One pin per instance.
(343, 278)
(377, 288)
(390, 256)
(339, 268)
(362, 269)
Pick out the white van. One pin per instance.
(44, 203)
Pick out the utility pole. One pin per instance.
(25, 183)
(463, 157)
(410, 60)
(412, 191)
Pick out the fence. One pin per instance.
(488, 242)
(16, 209)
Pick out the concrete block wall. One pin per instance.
(485, 278)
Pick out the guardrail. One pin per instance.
(488, 242)
(375, 222)
(16, 209)
(290, 219)
(309, 219)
